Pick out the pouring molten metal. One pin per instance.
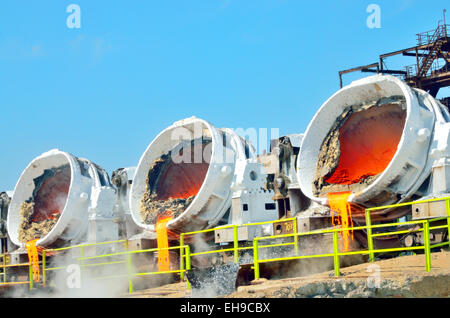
(33, 258)
(163, 243)
(338, 202)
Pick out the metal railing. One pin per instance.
(236, 248)
(428, 64)
(4, 266)
(435, 69)
(57, 251)
(129, 261)
(125, 257)
(411, 71)
(433, 35)
(425, 229)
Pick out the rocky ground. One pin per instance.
(403, 276)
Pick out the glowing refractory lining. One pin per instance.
(338, 202)
(163, 244)
(368, 141)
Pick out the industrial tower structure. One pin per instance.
(431, 70)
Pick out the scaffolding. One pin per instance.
(431, 70)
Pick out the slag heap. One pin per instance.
(360, 145)
(152, 208)
(41, 212)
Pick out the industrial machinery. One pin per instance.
(204, 177)
(430, 72)
(122, 180)
(280, 165)
(215, 167)
(380, 141)
(5, 243)
(61, 200)
(197, 177)
(377, 140)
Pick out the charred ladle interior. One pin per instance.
(174, 180)
(39, 214)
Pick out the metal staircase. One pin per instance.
(434, 44)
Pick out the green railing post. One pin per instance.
(188, 264)
(369, 236)
(81, 256)
(295, 236)
(31, 275)
(256, 258)
(130, 273)
(236, 244)
(447, 209)
(80, 263)
(44, 266)
(4, 268)
(337, 271)
(181, 256)
(130, 270)
(426, 235)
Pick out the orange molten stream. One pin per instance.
(163, 242)
(33, 258)
(338, 202)
(368, 141)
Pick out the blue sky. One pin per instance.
(105, 90)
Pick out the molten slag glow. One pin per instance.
(33, 258)
(181, 180)
(338, 202)
(52, 196)
(163, 242)
(368, 141)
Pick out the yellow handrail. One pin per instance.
(185, 254)
(4, 266)
(236, 247)
(128, 261)
(368, 227)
